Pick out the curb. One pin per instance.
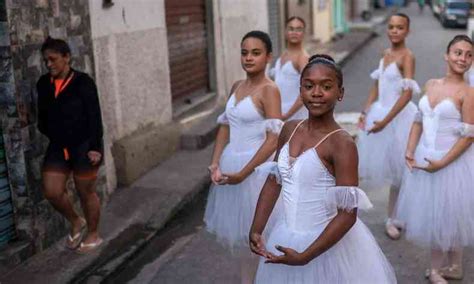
(101, 269)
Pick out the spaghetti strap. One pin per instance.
(327, 136)
(294, 130)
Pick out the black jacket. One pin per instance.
(74, 116)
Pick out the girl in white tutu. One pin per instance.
(319, 239)
(288, 68)
(437, 198)
(387, 117)
(247, 137)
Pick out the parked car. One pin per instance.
(455, 13)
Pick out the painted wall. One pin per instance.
(322, 20)
(131, 53)
(232, 20)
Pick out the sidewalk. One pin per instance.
(136, 213)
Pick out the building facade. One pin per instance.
(154, 62)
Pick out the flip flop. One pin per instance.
(73, 242)
(90, 247)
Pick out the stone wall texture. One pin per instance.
(24, 24)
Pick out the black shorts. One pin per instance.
(65, 160)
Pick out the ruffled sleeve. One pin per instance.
(375, 75)
(269, 168)
(419, 116)
(466, 130)
(347, 198)
(222, 118)
(410, 84)
(273, 125)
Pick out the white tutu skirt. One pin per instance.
(438, 208)
(356, 258)
(230, 208)
(382, 154)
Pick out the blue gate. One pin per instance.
(7, 229)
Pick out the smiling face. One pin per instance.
(56, 62)
(320, 89)
(294, 31)
(254, 56)
(397, 29)
(459, 57)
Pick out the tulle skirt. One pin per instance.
(356, 258)
(382, 154)
(438, 208)
(230, 208)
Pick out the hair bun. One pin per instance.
(325, 56)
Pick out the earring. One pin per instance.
(339, 99)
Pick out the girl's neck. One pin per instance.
(294, 47)
(256, 79)
(323, 123)
(398, 46)
(454, 77)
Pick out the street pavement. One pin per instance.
(195, 257)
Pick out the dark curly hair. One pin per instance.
(457, 39)
(325, 60)
(56, 45)
(263, 36)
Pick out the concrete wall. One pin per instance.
(302, 9)
(322, 20)
(232, 20)
(131, 53)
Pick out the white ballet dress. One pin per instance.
(310, 200)
(230, 208)
(438, 207)
(382, 154)
(287, 79)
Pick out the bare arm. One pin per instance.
(346, 172)
(222, 138)
(405, 97)
(272, 109)
(267, 199)
(416, 129)
(373, 95)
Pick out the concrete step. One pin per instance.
(200, 130)
(14, 254)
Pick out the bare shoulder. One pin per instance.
(270, 89)
(235, 85)
(409, 54)
(431, 83)
(408, 57)
(344, 143)
(287, 129)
